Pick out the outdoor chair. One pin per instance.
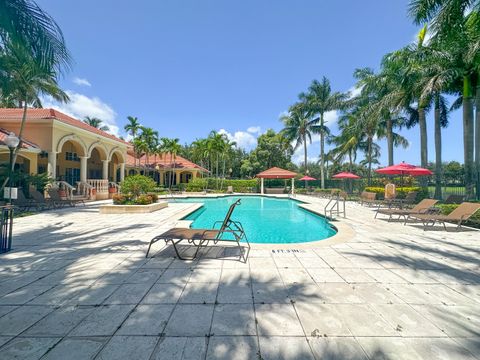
(40, 199)
(59, 202)
(368, 198)
(422, 207)
(458, 216)
(229, 231)
(454, 199)
(410, 199)
(22, 203)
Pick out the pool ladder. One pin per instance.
(336, 205)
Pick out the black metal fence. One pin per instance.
(6, 226)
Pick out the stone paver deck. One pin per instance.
(78, 286)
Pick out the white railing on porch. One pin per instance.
(63, 185)
(84, 189)
(100, 185)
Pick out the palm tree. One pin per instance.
(96, 123)
(455, 25)
(150, 140)
(24, 24)
(172, 147)
(133, 127)
(23, 79)
(321, 100)
(298, 127)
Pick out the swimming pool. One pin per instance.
(265, 219)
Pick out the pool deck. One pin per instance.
(77, 286)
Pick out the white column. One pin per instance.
(83, 168)
(293, 186)
(261, 185)
(105, 169)
(52, 164)
(122, 172)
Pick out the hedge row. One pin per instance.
(401, 192)
(199, 184)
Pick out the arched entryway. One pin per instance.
(169, 178)
(68, 161)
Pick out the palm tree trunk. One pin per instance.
(438, 150)
(305, 152)
(17, 149)
(322, 150)
(477, 139)
(369, 179)
(422, 121)
(468, 137)
(390, 141)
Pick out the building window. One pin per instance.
(72, 175)
(71, 156)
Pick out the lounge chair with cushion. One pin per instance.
(458, 216)
(229, 231)
(410, 199)
(454, 199)
(368, 198)
(422, 207)
(22, 203)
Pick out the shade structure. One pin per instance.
(404, 169)
(307, 178)
(276, 173)
(346, 175)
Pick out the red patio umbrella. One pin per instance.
(404, 169)
(307, 178)
(346, 175)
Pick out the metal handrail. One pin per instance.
(333, 205)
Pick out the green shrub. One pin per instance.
(120, 199)
(154, 196)
(137, 185)
(422, 193)
(143, 200)
(196, 185)
(300, 191)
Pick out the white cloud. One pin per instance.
(254, 129)
(331, 117)
(354, 91)
(244, 139)
(313, 149)
(81, 105)
(81, 82)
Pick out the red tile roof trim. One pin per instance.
(165, 161)
(37, 114)
(26, 144)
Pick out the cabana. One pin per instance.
(276, 173)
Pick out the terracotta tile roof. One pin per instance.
(37, 114)
(26, 144)
(165, 161)
(276, 173)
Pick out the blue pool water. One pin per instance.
(265, 220)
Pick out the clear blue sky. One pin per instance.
(185, 67)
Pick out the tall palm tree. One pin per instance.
(171, 147)
(23, 23)
(150, 140)
(133, 127)
(321, 100)
(455, 24)
(298, 127)
(23, 79)
(96, 123)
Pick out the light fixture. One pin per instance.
(12, 141)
